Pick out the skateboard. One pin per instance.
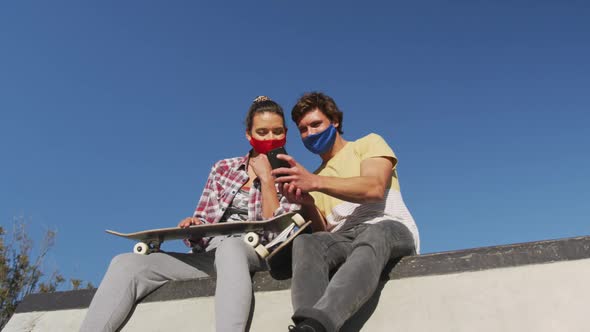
(287, 226)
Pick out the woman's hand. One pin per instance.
(189, 221)
(261, 167)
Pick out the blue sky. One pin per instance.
(112, 112)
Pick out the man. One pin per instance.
(357, 195)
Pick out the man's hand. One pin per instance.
(296, 196)
(189, 221)
(298, 178)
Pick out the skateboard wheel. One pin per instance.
(298, 220)
(141, 248)
(252, 239)
(261, 251)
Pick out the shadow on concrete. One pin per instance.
(251, 314)
(128, 317)
(358, 320)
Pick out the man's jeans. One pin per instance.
(360, 253)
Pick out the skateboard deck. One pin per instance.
(288, 225)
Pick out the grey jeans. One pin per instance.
(359, 254)
(130, 277)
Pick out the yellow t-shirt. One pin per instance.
(347, 163)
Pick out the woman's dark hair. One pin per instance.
(263, 104)
(317, 100)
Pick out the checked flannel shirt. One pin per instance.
(225, 180)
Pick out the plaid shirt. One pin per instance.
(225, 180)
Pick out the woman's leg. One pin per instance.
(130, 277)
(234, 260)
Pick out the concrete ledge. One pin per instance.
(174, 290)
(499, 288)
(484, 258)
(468, 260)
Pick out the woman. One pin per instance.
(238, 189)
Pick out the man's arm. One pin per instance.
(370, 186)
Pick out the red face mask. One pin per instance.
(267, 145)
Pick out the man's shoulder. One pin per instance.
(371, 138)
(373, 145)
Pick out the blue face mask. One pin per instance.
(321, 142)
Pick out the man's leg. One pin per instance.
(314, 256)
(356, 280)
(130, 277)
(234, 260)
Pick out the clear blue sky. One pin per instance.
(112, 112)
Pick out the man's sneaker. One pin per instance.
(307, 325)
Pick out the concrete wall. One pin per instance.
(537, 286)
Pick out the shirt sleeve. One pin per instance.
(208, 202)
(373, 146)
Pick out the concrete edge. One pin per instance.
(467, 260)
(493, 257)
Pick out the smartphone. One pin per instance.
(276, 162)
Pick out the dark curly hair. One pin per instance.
(317, 100)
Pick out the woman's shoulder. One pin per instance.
(231, 162)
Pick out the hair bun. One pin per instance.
(260, 99)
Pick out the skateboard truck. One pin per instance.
(253, 239)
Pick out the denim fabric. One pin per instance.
(355, 256)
